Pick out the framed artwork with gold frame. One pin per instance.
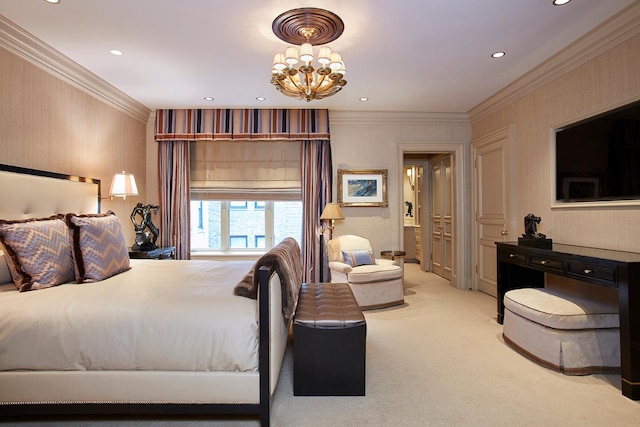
(363, 187)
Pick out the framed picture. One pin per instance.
(362, 187)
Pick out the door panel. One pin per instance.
(436, 220)
(442, 219)
(492, 199)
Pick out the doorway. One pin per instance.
(423, 155)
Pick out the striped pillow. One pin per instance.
(358, 257)
(99, 247)
(38, 252)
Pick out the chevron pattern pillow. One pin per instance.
(99, 247)
(38, 252)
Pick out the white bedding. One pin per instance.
(160, 315)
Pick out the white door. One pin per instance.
(442, 219)
(492, 187)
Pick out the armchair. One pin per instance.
(375, 283)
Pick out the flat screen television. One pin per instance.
(598, 159)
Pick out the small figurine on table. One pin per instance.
(531, 237)
(146, 232)
(409, 206)
(531, 227)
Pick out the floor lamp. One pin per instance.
(331, 212)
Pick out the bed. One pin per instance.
(155, 337)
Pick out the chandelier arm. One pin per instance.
(293, 82)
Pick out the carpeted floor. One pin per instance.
(439, 360)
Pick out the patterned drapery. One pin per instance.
(311, 127)
(241, 124)
(316, 173)
(173, 170)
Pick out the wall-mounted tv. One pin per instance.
(598, 159)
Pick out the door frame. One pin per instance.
(459, 151)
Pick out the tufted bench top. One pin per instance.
(327, 306)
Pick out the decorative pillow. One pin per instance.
(358, 257)
(37, 251)
(99, 247)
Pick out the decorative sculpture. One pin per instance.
(409, 208)
(146, 232)
(531, 227)
(531, 237)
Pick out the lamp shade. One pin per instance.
(332, 211)
(123, 185)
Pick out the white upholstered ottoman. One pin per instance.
(569, 334)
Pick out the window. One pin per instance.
(243, 225)
(245, 194)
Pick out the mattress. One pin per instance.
(160, 315)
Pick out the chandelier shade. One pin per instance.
(302, 27)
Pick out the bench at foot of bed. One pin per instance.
(329, 333)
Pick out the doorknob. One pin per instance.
(504, 232)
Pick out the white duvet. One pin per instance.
(160, 315)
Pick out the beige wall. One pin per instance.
(371, 141)
(48, 124)
(608, 80)
(361, 140)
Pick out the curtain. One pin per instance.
(180, 126)
(317, 175)
(173, 168)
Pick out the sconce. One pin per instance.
(412, 178)
(123, 185)
(331, 212)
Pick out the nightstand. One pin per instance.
(160, 253)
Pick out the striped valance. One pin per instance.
(241, 124)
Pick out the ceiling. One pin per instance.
(409, 55)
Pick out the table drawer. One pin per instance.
(548, 262)
(509, 255)
(588, 271)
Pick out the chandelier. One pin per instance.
(302, 27)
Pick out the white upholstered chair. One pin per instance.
(375, 283)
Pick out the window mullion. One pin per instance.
(224, 223)
(269, 227)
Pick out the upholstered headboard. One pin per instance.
(30, 193)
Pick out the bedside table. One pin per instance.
(160, 253)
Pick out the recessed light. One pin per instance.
(498, 54)
(560, 2)
(116, 52)
(261, 98)
(53, 1)
(363, 99)
(208, 98)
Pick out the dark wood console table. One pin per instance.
(523, 266)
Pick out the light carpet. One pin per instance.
(438, 360)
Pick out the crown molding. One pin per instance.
(612, 32)
(34, 50)
(395, 117)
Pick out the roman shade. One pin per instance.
(236, 170)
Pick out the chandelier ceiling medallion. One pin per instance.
(306, 27)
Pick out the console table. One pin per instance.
(522, 266)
